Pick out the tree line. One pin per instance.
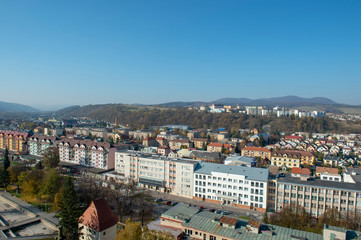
(139, 118)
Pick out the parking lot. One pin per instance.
(232, 211)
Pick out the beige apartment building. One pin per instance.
(286, 159)
(159, 173)
(256, 152)
(318, 196)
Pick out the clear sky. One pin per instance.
(89, 52)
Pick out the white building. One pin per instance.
(238, 186)
(157, 172)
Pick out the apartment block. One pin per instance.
(38, 144)
(87, 153)
(199, 143)
(15, 142)
(238, 186)
(218, 147)
(317, 196)
(177, 144)
(285, 158)
(156, 172)
(256, 152)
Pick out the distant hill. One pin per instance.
(15, 107)
(287, 100)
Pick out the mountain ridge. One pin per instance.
(16, 107)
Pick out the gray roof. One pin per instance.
(204, 221)
(312, 182)
(258, 174)
(181, 211)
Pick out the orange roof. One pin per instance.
(260, 149)
(326, 170)
(301, 171)
(99, 216)
(294, 137)
(220, 145)
(228, 220)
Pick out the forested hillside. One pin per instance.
(138, 117)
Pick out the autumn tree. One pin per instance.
(51, 158)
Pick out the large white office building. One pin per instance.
(243, 187)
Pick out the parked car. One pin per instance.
(225, 213)
(158, 200)
(219, 211)
(201, 207)
(174, 203)
(212, 210)
(168, 202)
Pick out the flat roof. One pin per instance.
(258, 174)
(312, 182)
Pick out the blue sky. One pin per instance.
(55, 53)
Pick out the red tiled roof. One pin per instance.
(294, 137)
(260, 149)
(220, 145)
(326, 170)
(301, 171)
(99, 216)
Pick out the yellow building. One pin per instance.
(286, 158)
(14, 141)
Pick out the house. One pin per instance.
(292, 138)
(161, 141)
(346, 150)
(98, 221)
(331, 160)
(312, 148)
(163, 150)
(149, 142)
(14, 141)
(334, 150)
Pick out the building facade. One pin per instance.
(15, 142)
(159, 173)
(87, 153)
(38, 144)
(256, 152)
(231, 185)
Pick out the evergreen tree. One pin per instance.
(70, 211)
(4, 178)
(6, 161)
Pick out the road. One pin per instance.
(234, 211)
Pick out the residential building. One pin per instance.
(38, 144)
(256, 152)
(87, 153)
(199, 143)
(156, 172)
(149, 141)
(163, 150)
(306, 157)
(231, 185)
(284, 158)
(98, 221)
(177, 144)
(15, 142)
(331, 160)
(218, 147)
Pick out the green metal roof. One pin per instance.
(204, 221)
